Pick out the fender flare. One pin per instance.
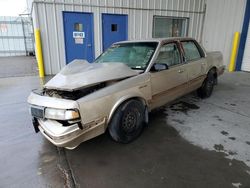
(121, 101)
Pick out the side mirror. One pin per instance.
(157, 67)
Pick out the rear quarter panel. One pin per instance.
(214, 59)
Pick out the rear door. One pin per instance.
(195, 64)
(169, 84)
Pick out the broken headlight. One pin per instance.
(60, 114)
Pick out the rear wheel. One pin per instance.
(207, 87)
(128, 121)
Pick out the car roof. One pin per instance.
(159, 40)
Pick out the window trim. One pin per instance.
(200, 50)
(171, 17)
(180, 52)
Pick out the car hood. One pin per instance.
(80, 74)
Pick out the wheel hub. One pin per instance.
(129, 121)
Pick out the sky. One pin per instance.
(12, 7)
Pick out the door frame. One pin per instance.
(126, 32)
(92, 31)
(162, 97)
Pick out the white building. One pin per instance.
(84, 28)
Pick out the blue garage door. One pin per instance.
(114, 29)
(78, 34)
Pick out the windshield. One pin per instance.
(135, 55)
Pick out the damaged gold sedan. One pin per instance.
(119, 89)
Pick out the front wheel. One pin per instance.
(128, 121)
(207, 87)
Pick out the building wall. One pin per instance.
(47, 16)
(223, 18)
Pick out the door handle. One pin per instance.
(180, 71)
(89, 45)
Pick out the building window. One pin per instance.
(78, 27)
(170, 27)
(114, 27)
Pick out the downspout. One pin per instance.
(203, 22)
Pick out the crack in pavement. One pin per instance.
(64, 168)
(65, 176)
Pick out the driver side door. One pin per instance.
(169, 84)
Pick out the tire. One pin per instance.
(207, 87)
(128, 122)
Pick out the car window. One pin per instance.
(136, 55)
(169, 54)
(191, 51)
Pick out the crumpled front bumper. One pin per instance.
(70, 136)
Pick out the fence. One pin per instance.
(16, 36)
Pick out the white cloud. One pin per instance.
(12, 7)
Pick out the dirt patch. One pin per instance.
(179, 121)
(218, 118)
(232, 153)
(183, 107)
(224, 133)
(219, 147)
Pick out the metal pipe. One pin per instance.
(234, 51)
(24, 37)
(39, 53)
(12, 51)
(14, 37)
(32, 37)
(203, 23)
(129, 8)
